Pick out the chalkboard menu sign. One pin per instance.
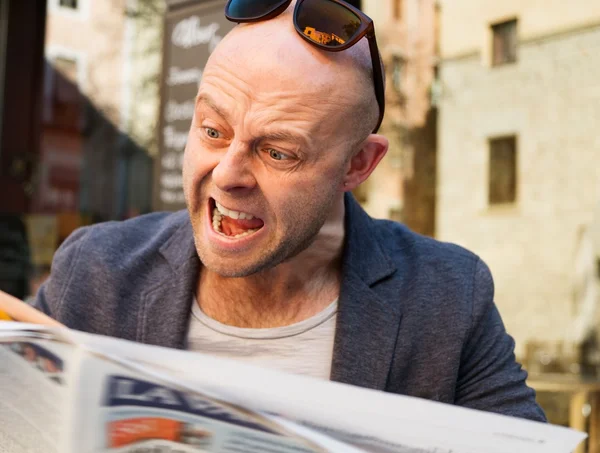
(191, 34)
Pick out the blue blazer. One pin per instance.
(416, 316)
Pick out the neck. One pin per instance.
(290, 292)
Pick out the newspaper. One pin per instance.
(68, 391)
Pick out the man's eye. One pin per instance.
(276, 155)
(212, 133)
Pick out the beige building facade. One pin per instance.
(407, 36)
(519, 149)
(92, 36)
(101, 100)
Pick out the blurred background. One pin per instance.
(493, 113)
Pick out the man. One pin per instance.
(274, 262)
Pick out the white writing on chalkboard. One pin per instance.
(171, 180)
(189, 33)
(179, 111)
(172, 161)
(174, 139)
(178, 76)
(172, 197)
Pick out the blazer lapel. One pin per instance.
(166, 307)
(369, 312)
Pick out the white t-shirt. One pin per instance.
(302, 348)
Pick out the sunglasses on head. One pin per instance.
(331, 25)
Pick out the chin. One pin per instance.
(227, 269)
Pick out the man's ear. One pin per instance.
(363, 162)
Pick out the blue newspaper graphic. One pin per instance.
(147, 416)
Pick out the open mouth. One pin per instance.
(233, 224)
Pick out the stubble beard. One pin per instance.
(295, 240)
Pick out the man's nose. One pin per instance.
(233, 171)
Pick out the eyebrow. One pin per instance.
(284, 136)
(205, 99)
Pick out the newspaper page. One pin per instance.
(370, 420)
(114, 408)
(126, 410)
(35, 378)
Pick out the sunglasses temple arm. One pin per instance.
(378, 78)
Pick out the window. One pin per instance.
(72, 4)
(397, 9)
(503, 170)
(504, 43)
(76, 9)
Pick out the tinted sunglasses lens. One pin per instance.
(326, 22)
(248, 9)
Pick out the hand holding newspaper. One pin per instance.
(12, 308)
(72, 392)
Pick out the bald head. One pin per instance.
(269, 57)
(281, 131)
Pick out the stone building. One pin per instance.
(519, 149)
(403, 186)
(99, 108)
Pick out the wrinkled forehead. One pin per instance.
(269, 57)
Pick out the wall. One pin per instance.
(391, 190)
(551, 99)
(99, 30)
(465, 23)
(147, 17)
(118, 49)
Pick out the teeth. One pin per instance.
(245, 233)
(231, 213)
(218, 214)
(217, 221)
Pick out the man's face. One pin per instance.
(263, 164)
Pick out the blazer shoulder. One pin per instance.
(117, 250)
(444, 278)
(117, 241)
(100, 266)
(403, 243)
